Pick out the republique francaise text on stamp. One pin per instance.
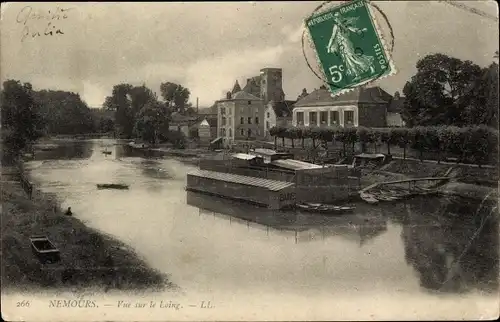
(349, 46)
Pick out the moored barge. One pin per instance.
(272, 194)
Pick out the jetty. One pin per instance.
(381, 191)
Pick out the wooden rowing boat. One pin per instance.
(112, 186)
(325, 209)
(44, 249)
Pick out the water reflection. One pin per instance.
(305, 227)
(66, 150)
(452, 245)
(443, 241)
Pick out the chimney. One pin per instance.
(197, 105)
(228, 95)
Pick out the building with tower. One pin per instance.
(241, 114)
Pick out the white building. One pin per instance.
(360, 107)
(277, 113)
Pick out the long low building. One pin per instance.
(270, 193)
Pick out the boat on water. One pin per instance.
(44, 249)
(106, 152)
(324, 208)
(112, 186)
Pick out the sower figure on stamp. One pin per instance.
(356, 64)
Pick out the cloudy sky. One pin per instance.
(207, 46)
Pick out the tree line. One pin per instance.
(139, 113)
(477, 144)
(28, 114)
(449, 91)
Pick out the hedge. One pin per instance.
(475, 143)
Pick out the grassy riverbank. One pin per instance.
(89, 259)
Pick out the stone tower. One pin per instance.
(271, 85)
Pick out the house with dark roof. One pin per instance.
(363, 106)
(240, 117)
(394, 110)
(278, 113)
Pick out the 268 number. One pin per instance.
(23, 304)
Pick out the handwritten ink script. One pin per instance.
(38, 23)
(161, 304)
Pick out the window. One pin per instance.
(242, 120)
(223, 110)
(249, 102)
(249, 132)
(249, 120)
(223, 132)
(268, 115)
(223, 121)
(230, 133)
(242, 132)
(334, 117)
(267, 125)
(349, 117)
(323, 117)
(230, 119)
(263, 81)
(313, 119)
(256, 120)
(230, 110)
(300, 118)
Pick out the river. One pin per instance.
(425, 253)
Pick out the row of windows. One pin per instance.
(242, 109)
(242, 132)
(249, 120)
(323, 117)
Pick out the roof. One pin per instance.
(177, 118)
(396, 105)
(282, 109)
(272, 185)
(253, 85)
(208, 110)
(236, 88)
(294, 164)
(265, 151)
(242, 95)
(243, 156)
(322, 97)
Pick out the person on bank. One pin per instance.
(68, 212)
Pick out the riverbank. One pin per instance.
(89, 259)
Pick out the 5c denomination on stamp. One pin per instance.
(349, 46)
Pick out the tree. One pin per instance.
(176, 96)
(481, 106)
(152, 121)
(21, 120)
(434, 94)
(120, 102)
(65, 112)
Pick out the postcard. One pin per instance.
(249, 161)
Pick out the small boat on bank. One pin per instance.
(112, 186)
(106, 152)
(44, 249)
(324, 209)
(369, 198)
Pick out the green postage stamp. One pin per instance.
(348, 46)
